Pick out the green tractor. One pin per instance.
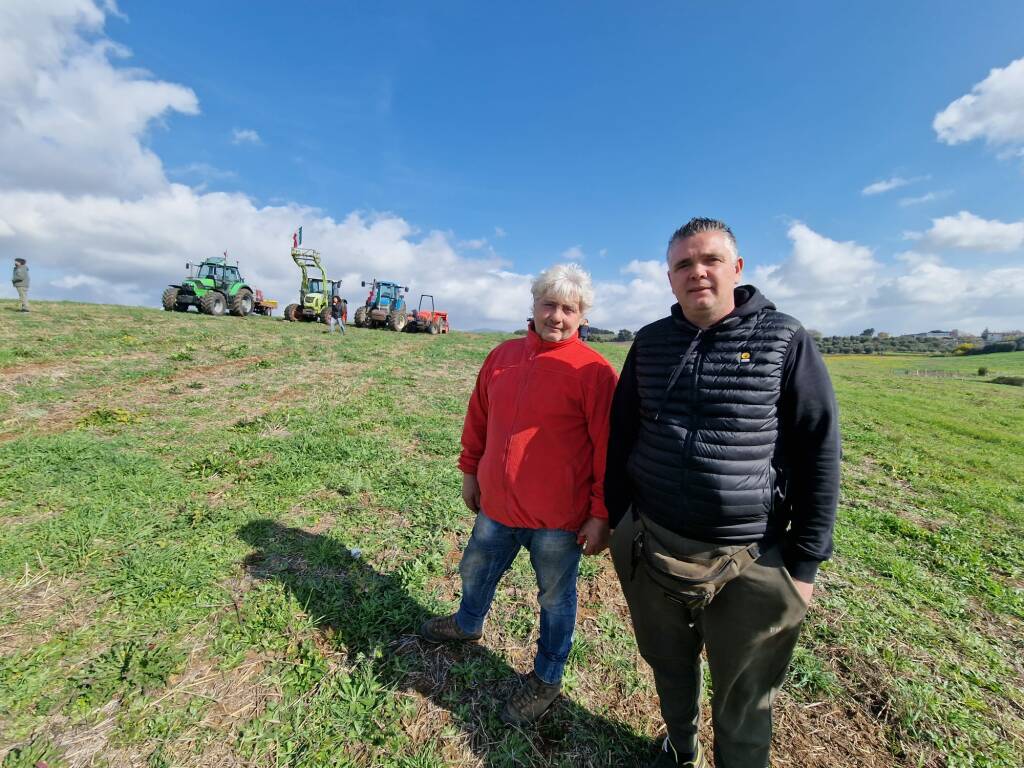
(315, 293)
(215, 289)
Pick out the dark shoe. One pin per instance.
(444, 629)
(530, 701)
(669, 757)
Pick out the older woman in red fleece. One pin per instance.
(533, 458)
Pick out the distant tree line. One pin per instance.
(603, 334)
(880, 344)
(997, 346)
(596, 334)
(870, 343)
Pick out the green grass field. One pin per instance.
(219, 536)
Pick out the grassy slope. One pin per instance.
(220, 535)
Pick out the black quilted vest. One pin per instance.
(705, 463)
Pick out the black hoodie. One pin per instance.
(808, 427)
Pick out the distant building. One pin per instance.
(992, 337)
(936, 335)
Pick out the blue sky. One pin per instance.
(502, 138)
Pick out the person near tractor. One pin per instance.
(722, 484)
(533, 451)
(20, 281)
(337, 315)
(585, 330)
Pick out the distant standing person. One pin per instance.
(533, 453)
(337, 317)
(585, 330)
(20, 281)
(723, 479)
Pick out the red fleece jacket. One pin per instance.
(536, 433)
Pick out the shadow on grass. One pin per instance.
(359, 610)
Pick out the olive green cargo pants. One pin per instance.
(749, 631)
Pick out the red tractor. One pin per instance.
(432, 321)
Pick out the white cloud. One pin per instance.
(644, 297)
(993, 110)
(202, 172)
(69, 282)
(885, 185)
(842, 287)
(822, 280)
(927, 197)
(574, 254)
(499, 232)
(70, 120)
(933, 294)
(969, 232)
(245, 136)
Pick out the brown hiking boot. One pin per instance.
(530, 701)
(444, 629)
(668, 757)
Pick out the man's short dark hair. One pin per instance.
(699, 224)
(19, 261)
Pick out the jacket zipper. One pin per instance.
(678, 370)
(694, 404)
(531, 359)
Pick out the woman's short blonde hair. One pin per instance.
(568, 283)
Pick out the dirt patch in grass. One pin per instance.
(826, 734)
(153, 394)
(82, 744)
(236, 695)
(35, 599)
(891, 493)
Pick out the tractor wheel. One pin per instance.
(290, 312)
(434, 328)
(213, 303)
(398, 321)
(170, 298)
(360, 317)
(325, 316)
(241, 303)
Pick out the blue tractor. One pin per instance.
(385, 307)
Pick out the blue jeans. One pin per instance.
(335, 321)
(555, 557)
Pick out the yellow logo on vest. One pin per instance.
(743, 357)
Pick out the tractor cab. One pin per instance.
(385, 306)
(383, 295)
(314, 300)
(316, 286)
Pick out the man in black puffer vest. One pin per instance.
(721, 486)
